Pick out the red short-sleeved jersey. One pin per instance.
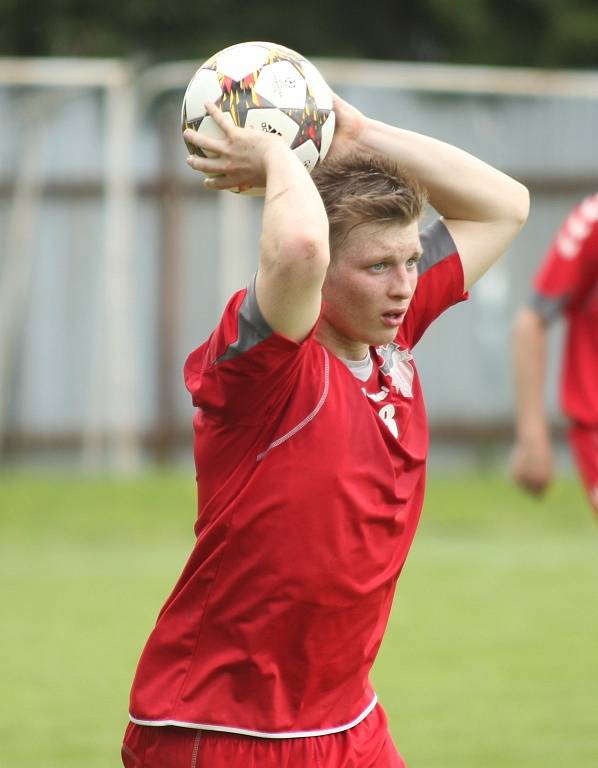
(567, 283)
(311, 485)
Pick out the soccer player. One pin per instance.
(565, 285)
(310, 448)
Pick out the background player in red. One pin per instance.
(566, 285)
(311, 443)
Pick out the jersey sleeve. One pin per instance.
(561, 273)
(440, 282)
(244, 369)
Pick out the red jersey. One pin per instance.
(567, 283)
(311, 484)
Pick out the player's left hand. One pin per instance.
(349, 127)
(532, 465)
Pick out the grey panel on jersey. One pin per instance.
(437, 244)
(252, 327)
(548, 307)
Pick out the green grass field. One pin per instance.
(491, 657)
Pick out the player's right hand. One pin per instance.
(532, 465)
(237, 160)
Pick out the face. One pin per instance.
(369, 286)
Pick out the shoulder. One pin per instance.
(440, 267)
(437, 245)
(440, 282)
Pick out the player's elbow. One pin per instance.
(311, 255)
(518, 205)
(528, 326)
(305, 252)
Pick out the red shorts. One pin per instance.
(366, 745)
(584, 444)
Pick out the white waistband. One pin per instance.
(261, 734)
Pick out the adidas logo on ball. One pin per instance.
(270, 129)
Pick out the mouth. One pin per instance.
(393, 318)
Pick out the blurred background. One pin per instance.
(115, 263)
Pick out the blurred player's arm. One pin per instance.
(483, 208)
(532, 462)
(294, 252)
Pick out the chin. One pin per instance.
(380, 338)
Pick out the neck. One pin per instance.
(338, 344)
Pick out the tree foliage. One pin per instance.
(542, 33)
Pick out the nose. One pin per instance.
(402, 284)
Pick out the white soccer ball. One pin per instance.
(264, 86)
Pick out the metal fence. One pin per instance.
(115, 263)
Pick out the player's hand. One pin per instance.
(236, 160)
(349, 127)
(532, 465)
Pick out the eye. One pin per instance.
(379, 267)
(412, 262)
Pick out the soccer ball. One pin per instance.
(268, 87)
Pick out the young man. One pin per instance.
(567, 285)
(311, 444)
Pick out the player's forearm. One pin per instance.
(529, 362)
(294, 224)
(460, 186)
(294, 252)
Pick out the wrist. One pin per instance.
(366, 135)
(376, 136)
(278, 155)
(534, 434)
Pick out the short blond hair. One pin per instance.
(358, 190)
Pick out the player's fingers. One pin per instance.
(206, 164)
(534, 485)
(220, 182)
(523, 483)
(216, 114)
(521, 476)
(535, 489)
(336, 99)
(206, 143)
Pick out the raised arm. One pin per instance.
(294, 253)
(532, 463)
(483, 208)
